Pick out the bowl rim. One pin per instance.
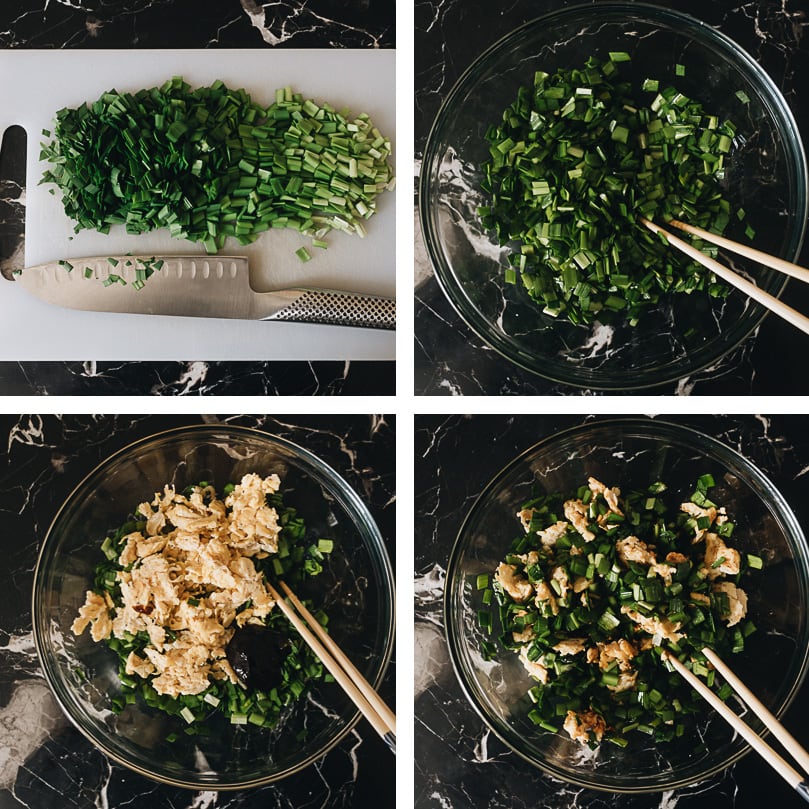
(777, 107)
(648, 425)
(348, 491)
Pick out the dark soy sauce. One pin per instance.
(255, 653)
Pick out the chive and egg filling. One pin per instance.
(181, 598)
(594, 591)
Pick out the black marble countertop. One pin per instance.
(180, 24)
(44, 761)
(449, 357)
(459, 762)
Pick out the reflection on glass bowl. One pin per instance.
(355, 589)
(631, 454)
(766, 175)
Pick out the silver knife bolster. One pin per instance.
(339, 308)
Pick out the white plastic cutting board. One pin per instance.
(35, 84)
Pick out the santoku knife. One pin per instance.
(195, 286)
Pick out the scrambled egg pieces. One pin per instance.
(184, 577)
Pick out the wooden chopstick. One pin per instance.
(774, 759)
(339, 666)
(368, 692)
(751, 290)
(790, 743)
(773, 262)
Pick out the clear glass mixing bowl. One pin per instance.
(632, 454)
(356, 590)
(766, 175)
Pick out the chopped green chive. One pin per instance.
(754, 562)
(210, 163)
(570, 173)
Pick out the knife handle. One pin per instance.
(340, 308)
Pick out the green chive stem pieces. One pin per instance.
(577, 158)
(211, 163)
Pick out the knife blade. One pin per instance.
(195, 286)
